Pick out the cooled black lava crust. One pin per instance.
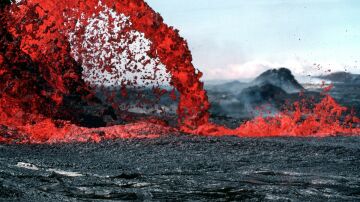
(184, 168)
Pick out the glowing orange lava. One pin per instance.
(38, 74)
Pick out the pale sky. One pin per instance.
(238, 39)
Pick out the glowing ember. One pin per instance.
(55, 51)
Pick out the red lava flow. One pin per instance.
(42, 57)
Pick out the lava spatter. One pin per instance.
(54, 53)
(55, 38)
(61, 18)
(326, 118)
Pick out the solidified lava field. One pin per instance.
(182, 167)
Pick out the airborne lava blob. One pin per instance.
(54, 53)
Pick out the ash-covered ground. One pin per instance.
(183, 167)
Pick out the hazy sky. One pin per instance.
(237, 39)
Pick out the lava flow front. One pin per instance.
(54, 54)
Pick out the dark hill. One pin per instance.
(282, 78)
(263, 93)
(342, 77)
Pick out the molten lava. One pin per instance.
(326, 118)
(52, 51)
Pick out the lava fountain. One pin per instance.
(54, 53)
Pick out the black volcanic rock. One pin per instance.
(282, 78)
(342, 77)
(264, 93)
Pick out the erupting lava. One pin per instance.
(53, 53)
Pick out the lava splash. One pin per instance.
(53, 54)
